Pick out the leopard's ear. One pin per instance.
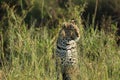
(73, 21)
(62, 33)
(65, 24)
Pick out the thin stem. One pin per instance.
(95, 12)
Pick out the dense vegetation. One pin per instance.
(28, 32)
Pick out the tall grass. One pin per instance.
(31, 55)
(99, 56)
(31, 51)
(32, 58)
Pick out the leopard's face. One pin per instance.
(70, 31)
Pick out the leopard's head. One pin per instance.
(70, 31)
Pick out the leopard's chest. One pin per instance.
(67, 52)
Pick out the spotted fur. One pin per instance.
(66, 52)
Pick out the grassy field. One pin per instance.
(28, 54)
(31, 55)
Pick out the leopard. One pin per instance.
(66, 51)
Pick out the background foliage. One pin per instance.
(28, 33)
